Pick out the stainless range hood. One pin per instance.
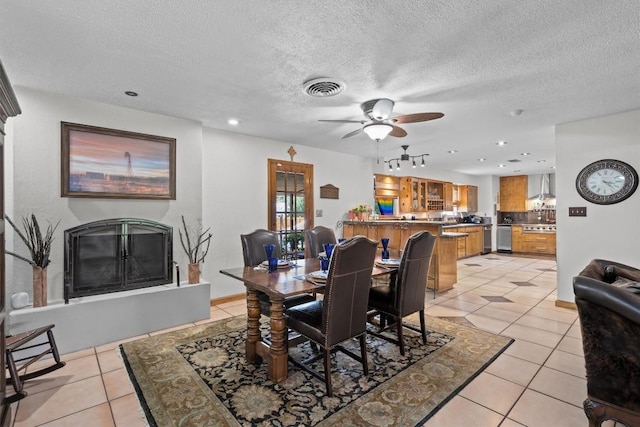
(545, 193)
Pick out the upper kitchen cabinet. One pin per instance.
(412, 194)
(386, 185)
(513, 193)
(467, 198)
(448, 196)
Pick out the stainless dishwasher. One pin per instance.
(504, 238)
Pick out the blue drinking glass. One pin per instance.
(273, 264)
(324, 263)
(269, 250)
(328, 249)
(385, 250)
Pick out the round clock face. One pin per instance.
(607, 181)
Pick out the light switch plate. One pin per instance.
(578, 211)
(318, 213)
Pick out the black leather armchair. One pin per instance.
(404, 295)
(342, 313)
(253, 253)
(609, 310)
(317, 237)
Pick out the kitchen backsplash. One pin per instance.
(547, 216)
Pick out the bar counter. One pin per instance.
(443, 273)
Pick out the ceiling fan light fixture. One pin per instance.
(378, 131)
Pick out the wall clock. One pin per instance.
(607, 181)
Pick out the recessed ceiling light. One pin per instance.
(542, 161)
(233, 122)
(501, 143)
(452, 151)
(525, 154)
(517, 170)
(481, 159)
(501, 165)
(553, 167)
(131, 93)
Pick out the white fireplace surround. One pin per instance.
(100, 319)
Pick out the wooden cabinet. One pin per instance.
(539, 243)
(347, 230)
(516, 238)
(467, 198)
(513, 193)
(471, 244)
(435, 196)
(462, 247)
(448, 196)
(386, 185)
(407, 196)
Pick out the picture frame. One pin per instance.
(109, 163)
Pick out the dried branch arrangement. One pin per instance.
(39, 246)
(197, 246)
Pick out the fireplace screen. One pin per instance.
(117, 255)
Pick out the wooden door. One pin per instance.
(290, 204)
(8, 108)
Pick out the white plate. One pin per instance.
(390, 261)
(282, 263)
(319, 275)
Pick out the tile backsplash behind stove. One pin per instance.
(530, 217)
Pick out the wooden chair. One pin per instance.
(342, 313)
(405, 293)
(15, 345)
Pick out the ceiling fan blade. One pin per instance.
(355, 132)
(343, 121)
(398, 132)
(417, 117)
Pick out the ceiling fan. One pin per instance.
(379, 124)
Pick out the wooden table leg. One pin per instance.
(253, 326)
(278, 350)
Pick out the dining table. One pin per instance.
(294, 278)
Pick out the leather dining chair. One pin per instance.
(317, 237)
(405, 293)
(342, 313)
(253, 254)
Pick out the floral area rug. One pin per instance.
(198, 376)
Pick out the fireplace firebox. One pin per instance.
(116, 255)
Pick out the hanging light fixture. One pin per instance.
(378, 131)
(406, 157)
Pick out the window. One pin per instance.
(290, 204)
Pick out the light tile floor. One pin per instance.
(538, 381)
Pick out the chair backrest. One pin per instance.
(253, 246)
(317, 237)
(411, 281)
(346, 292)
(610, 323)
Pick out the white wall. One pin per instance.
(234, 183)
(32, 166)
(609, 232)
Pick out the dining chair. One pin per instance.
(316, 237)
(342, 313)
(253, 253)
(404, 294)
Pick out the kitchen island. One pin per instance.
(443, 272)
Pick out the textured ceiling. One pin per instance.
(207, 61)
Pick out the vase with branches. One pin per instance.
(39, 246)
(196, 246)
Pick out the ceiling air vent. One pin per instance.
(323, 86)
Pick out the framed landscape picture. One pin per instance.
(101, 162)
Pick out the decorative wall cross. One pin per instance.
(292, 152)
